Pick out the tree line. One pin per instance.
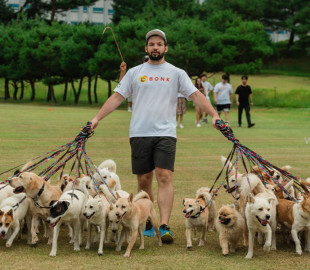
(200, 39)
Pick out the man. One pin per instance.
(208, 87)
(243, 94)
(223, 97)
(154, 88)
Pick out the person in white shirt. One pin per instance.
(154, 87)
(223, 97)
(209, 88)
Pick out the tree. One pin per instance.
(6, 12)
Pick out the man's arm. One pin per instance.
(109, 106)
(204, 104)
(250, 96)
(215, 97)
(237, 99)
(231, 99)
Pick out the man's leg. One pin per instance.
(240, 109)
(145, 183)
(227, 116)
(165, 194)
(247, 113)
(181, 119)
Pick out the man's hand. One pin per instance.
(214, 119)
(215, 100)
(123, 67)
(252, 103)
(238, 103)
(94, 124)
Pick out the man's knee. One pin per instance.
(164, 176)
(145, 180)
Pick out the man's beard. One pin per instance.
(156, 58)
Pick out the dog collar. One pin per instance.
(41, 190)
(202, 209)
(18, 204)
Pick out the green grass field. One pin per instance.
(279, 136)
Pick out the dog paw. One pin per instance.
(53, 254)
(126, 255)
(87, 247)
(201, 244)
(249, 256)
(8, 244)
(76, 249)
(100, 253)
(118, 249)
(141, 247)
(299, 251)
(189, 248)
(273, 248)
(266, 248)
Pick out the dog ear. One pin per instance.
(111, 206)
(250, 198)
(183, 201)
(200, 196)
(117, 195)
(269, 199)
(66, 204)
(130, 197)
(10, 213)
(90, 197)
(1, 213)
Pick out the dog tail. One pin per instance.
(231, 168)
(27, 165)
(286, 167)
(249, 184)
(109, 164)
(107, 193)
(141, 195)
(206, 196)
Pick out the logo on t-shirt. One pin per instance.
(143, 78)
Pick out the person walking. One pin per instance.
(209, 88)
(243, 94)
(181, 109)
(223, 97)
(154, 87)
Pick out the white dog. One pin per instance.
(96, 212)
(68, 209)
(108, 164)
(13, 211)
(258, 214)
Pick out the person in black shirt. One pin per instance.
(243, 94)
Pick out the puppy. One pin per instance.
(231, 227)
(96, 212)
(108, 176)
(42, 193)
(68, 209)
(197, 215)
(13, 211)
(257, 213)
(297, 217)
(133, 212)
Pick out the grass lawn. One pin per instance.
(279, 136)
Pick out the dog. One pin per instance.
(296, 216)
(197, 215)
(113, 220)
(133, 213)
(41, 193)
(106, 175)
(13, 211)
(68, 209)
(96, 211)
(6, 191)
(231, 227)
(258, 213)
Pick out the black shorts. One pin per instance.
(150, 152)
(223, 107)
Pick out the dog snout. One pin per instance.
(225, 186)
(84, 214)
(3, 232)
(114, 231)
(184, 211)
(267, 217)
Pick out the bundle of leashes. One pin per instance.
(58, 158)
(249, 159)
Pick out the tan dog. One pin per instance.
(41, 193)
(297, 217)
(197, 215)
(230, 226)
(133, 212)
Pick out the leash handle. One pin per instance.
(85, 132)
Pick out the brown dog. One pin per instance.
(133, 212)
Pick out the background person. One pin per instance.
(243, 94)
(209, 88)
(223, 97)
(181, 109)
(199, 112)
(154, 87)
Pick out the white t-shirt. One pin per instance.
(154, 90)
(223, 93)
(208, 86)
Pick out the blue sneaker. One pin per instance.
(165, 234)
(149, 229)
